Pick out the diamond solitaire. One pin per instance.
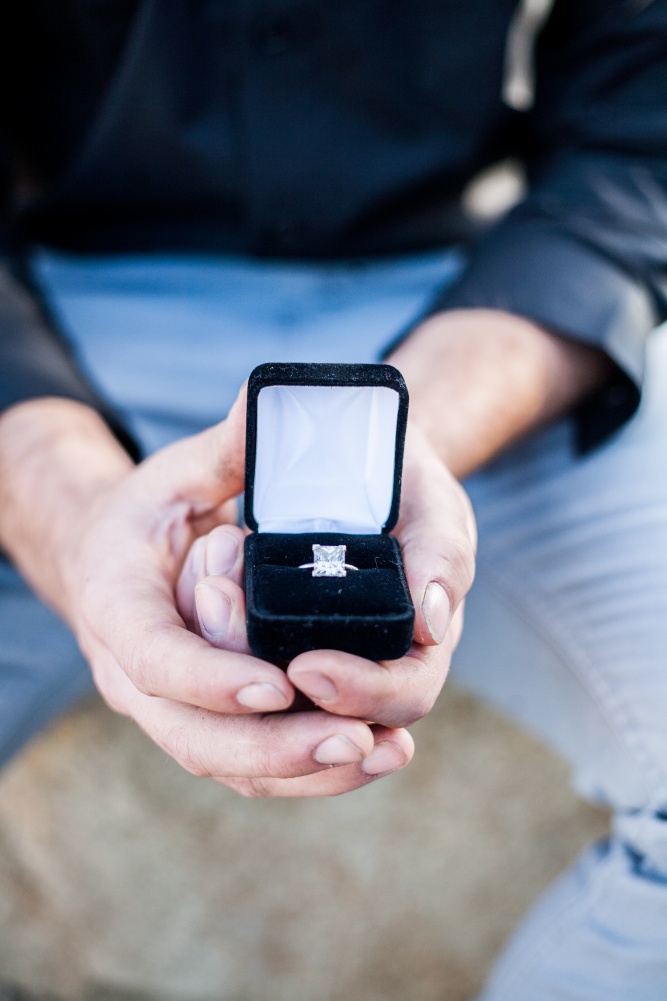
(329, 561)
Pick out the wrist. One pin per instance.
(58, 464)
(479, 379)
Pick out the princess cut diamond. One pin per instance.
(329, 561)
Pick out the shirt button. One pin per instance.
(274, 35)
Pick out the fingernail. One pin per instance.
(262, 696)
(214, 610)
(337, 750)
(316, 686)
(222, 550)
(385, 757)
(435, 607)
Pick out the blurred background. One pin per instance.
(123, 878)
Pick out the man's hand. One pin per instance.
(103, 542)
(437, 536)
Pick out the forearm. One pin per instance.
(481, 379)
(57, 460)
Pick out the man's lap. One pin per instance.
(42, 671)
(566, 626)
(566, 631)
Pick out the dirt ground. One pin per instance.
(123, 878)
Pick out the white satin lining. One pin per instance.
(325, 458)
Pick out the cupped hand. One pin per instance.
(213, 707)
(438, 538)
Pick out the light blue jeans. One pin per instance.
(566, 626)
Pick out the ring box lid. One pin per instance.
(324, 448)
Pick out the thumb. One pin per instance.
(438, 538)
(202, 470)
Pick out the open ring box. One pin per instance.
(324, 457)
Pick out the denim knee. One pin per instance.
(643, 834)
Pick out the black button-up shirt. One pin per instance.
(308, 129)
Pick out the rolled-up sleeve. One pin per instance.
(585, 253)
(35, 360)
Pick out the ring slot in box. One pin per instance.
(324, 456)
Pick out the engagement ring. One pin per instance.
(328, 561)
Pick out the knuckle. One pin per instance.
(270, 762)
(178, 743)
(419, 706)
(133, 661)
(423, 706)
(458, 566)
(248, 788)
(138, 658)
(110, 691)
(403, 705)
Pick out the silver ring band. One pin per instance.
(307, 566)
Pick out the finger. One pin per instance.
(437, 534)
(188, 578)
(110, 680)
(395, 693)
(202, 470)
(438, 540)
(137, 621)
(228, 512)
(392, 751)
(219, 553)
(456, 627)
(206, 744)
(224, 553)
(282, 745)
(220, 610)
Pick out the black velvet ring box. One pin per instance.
(324, 457)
